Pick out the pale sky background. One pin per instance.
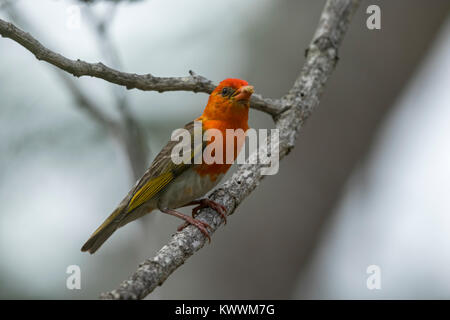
(395, 212)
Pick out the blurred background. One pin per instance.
(367, 183)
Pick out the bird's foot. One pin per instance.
(202, 226)
(205, 203)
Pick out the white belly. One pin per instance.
(187, 187)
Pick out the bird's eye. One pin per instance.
(226, 91)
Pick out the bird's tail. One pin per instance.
(103, 232)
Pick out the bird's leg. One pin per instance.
(202, 226)
(204, 203)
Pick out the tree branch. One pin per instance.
(290, 112)
(146, 82)
(297, 106)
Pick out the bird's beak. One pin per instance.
(244, 93)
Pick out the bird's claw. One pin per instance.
(202, 226)
(204, 203)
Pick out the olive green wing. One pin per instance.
(163, 170)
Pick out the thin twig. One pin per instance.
(146, 82)
(126, 132)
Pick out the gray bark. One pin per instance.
(145, 82)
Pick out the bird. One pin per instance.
(167, 186)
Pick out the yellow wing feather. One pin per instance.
(162, 172)
(169, 171)
(150, 189)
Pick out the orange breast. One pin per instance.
(232, 143)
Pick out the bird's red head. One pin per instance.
(229, 101)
